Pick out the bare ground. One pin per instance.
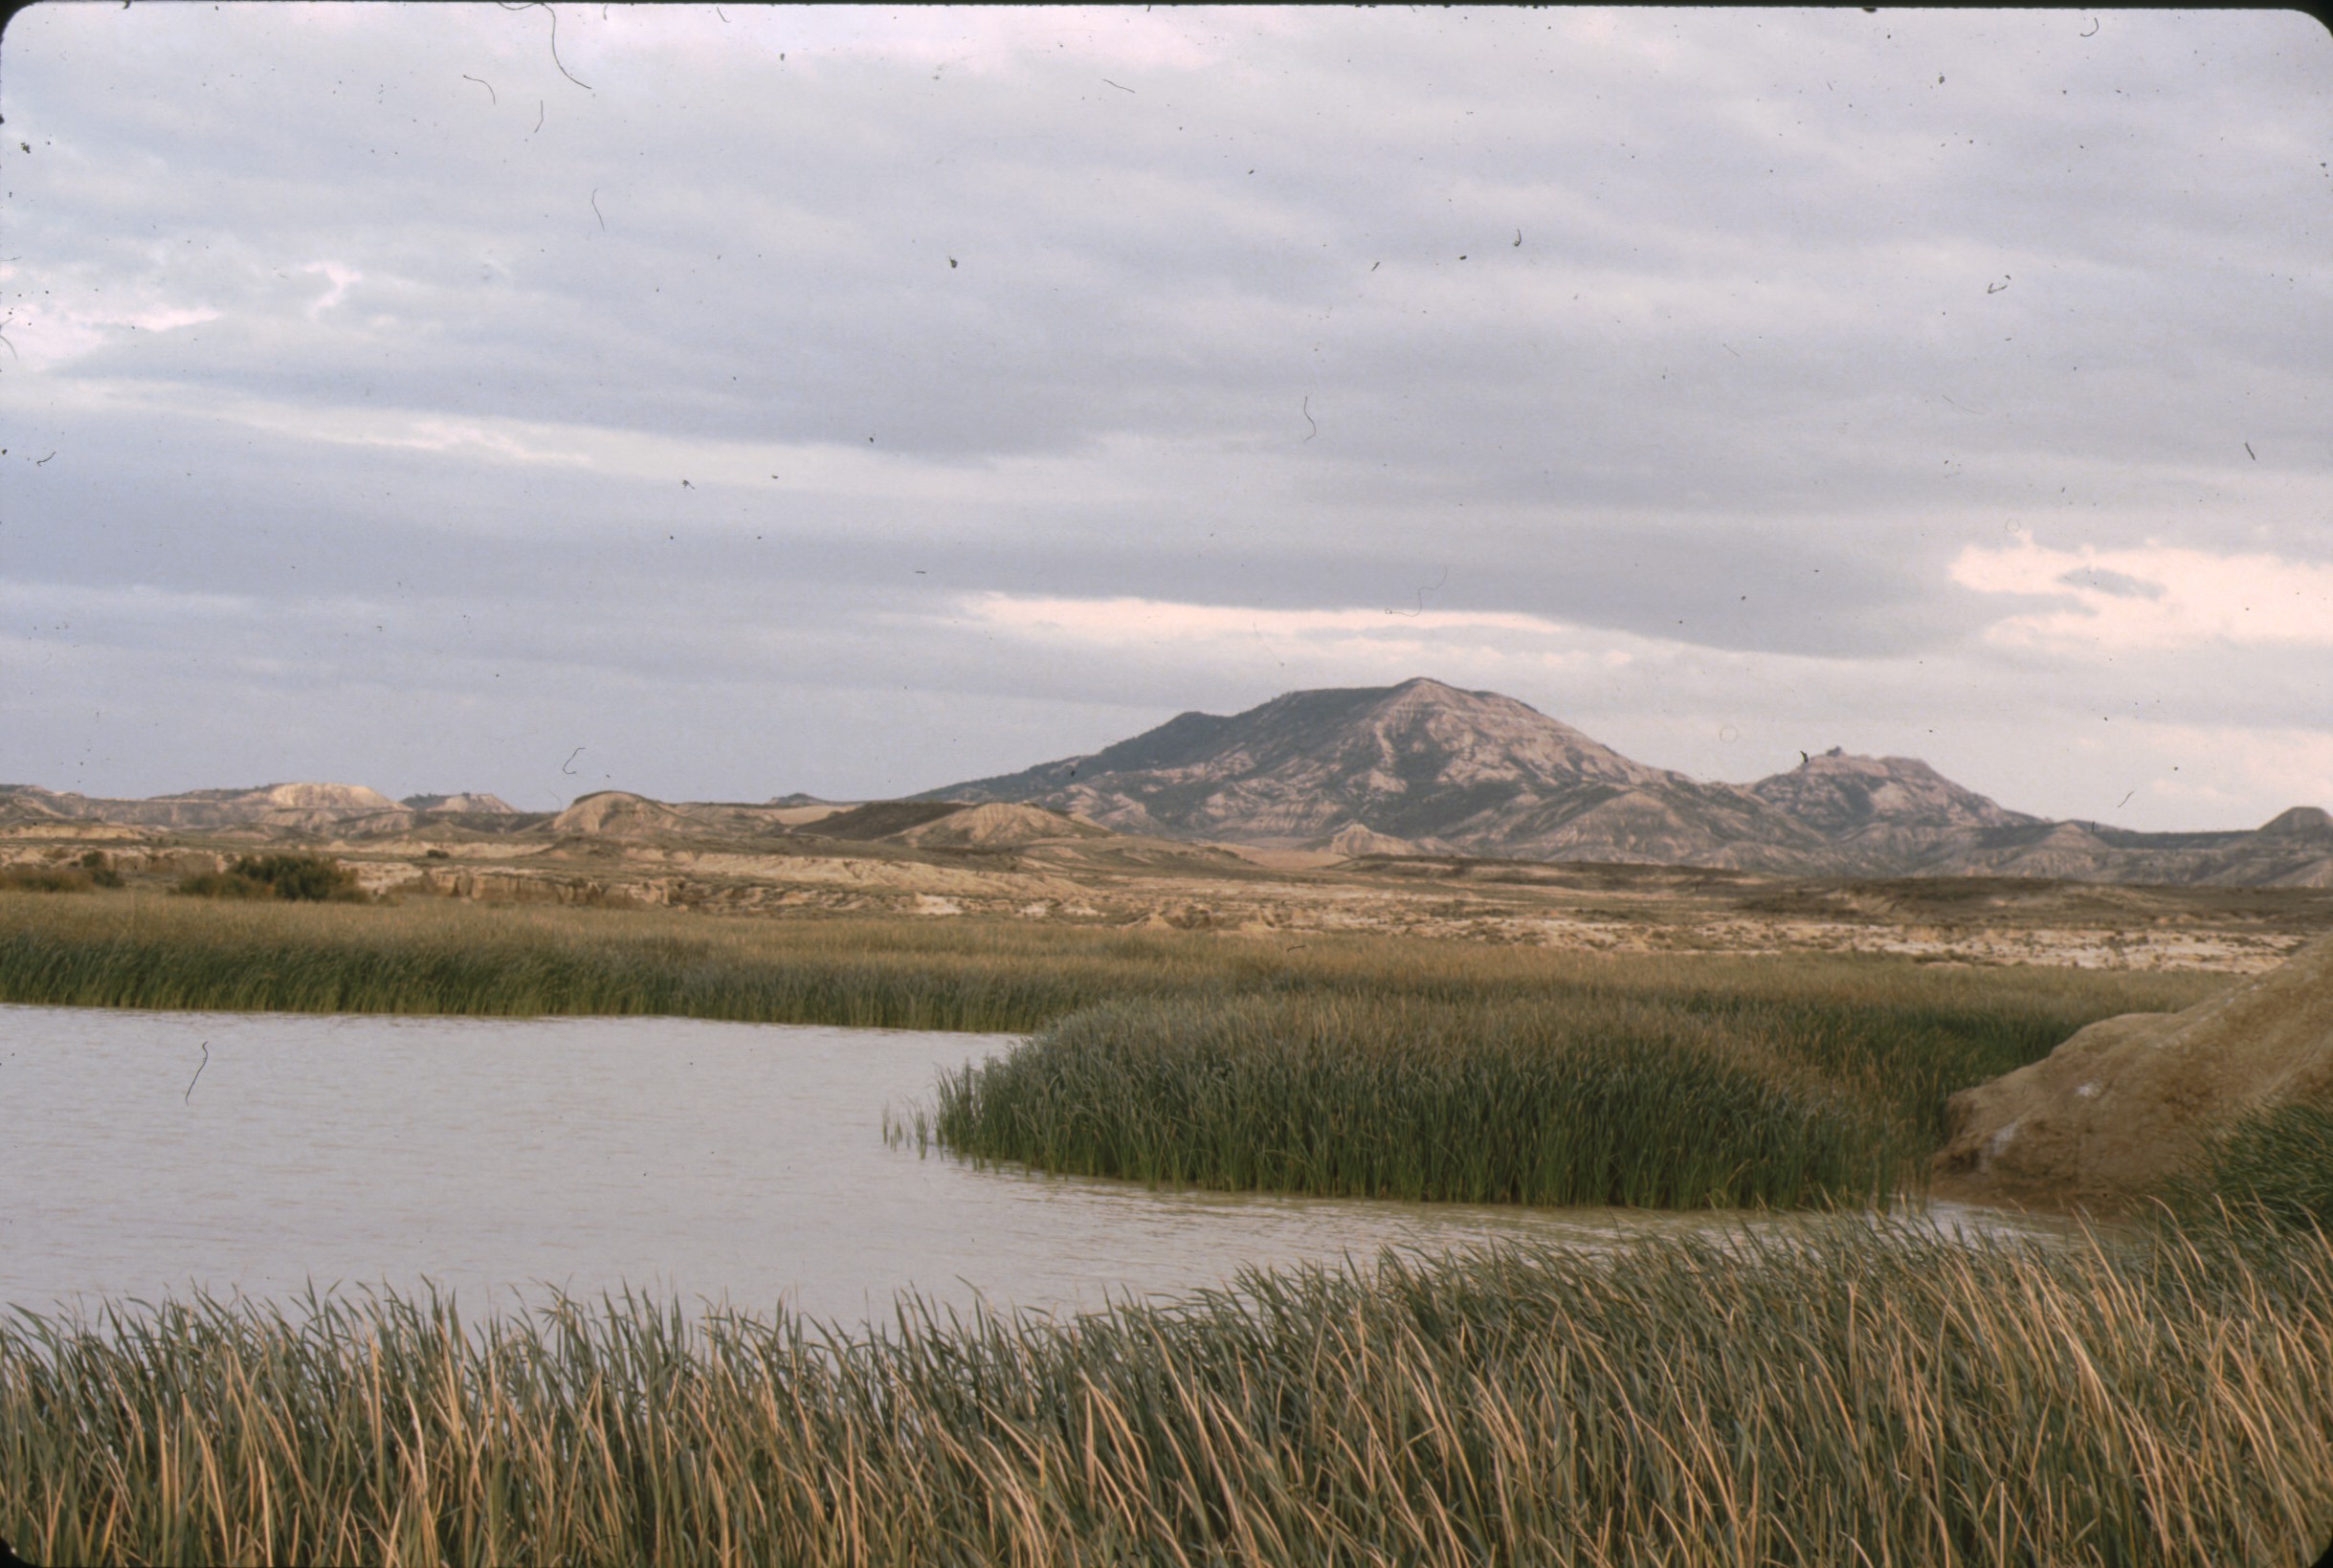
(1283, 895)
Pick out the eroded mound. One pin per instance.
(2124, 1104)
(998, 826)
(616, 814)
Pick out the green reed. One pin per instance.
(1327, 1064)
(1669, 1083)
(2275, 1162)
(1558, 1100)
(1834, 1394)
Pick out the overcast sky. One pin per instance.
(719, 403)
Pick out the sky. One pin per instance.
(720, 401)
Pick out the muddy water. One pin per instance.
(147, 1153)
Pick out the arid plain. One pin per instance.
(1024, 863)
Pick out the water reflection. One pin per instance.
(691, 1159)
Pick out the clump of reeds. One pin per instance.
(1564, 1099)
(1847, 1396)
(2275, 1162)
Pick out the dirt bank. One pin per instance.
(2108, 1115)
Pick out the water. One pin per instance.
(143, 1153)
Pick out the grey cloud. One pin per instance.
(1792, 323)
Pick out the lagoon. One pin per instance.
(150, 1152)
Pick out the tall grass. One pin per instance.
(1670, 1083)
(441, 957)
(448, 957)
(1330, 1064)
(1600, 1100)
(2275, 1162)
(1870, 1397)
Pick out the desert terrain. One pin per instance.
(1023, 863)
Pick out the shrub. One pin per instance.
(100, 871)
(298, 877)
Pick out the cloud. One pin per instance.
(2151, 597)
(1677, 370)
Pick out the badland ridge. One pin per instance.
(1384, 775)
(1427, 768)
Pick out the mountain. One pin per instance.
(1844, 797)
(1426, 768)
(1885, 814)
(283, 805)
(1426, 764)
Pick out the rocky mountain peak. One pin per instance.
(1840, 794)
(1421, 761)
(2301, 821)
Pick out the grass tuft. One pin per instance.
(2276, 1163)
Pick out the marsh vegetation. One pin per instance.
(1580, 1097)
(1865, 1391)
(1851, 1396)
(1335, 1066)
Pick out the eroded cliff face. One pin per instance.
(2119, 1107)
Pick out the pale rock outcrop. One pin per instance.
(465, 800)
(616, 814)
(1353, 841)
(2125, 1102)
(997, 826)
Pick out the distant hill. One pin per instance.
(282, 805)
(1422, 764)
(1424, 768)
(465, 802)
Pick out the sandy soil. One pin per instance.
(2115, 1108)
(1282, 894)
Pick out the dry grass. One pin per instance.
(446, 957)
(1878, 1397)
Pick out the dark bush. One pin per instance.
(100, 871)
(298, 877)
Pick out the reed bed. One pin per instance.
(1668, 1085)
(1568, 1100)
(446, 957)
(441, 957)
(2276, 1160)
(1335, 1065)
(1856, 1395)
